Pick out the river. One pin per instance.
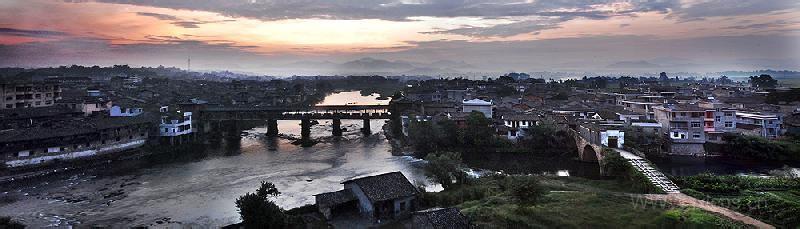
(199, 187)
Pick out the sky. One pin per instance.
(288, 37)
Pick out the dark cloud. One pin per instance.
(504, 30)
(402, 10)
(30, 33)
(767, 25)
(718, 8)
(177, 21)
(165, 17)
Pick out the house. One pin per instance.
(117, 111)
(479, 105)
(175, 124)
(439, 218)
(518, 124)
(768, 125)
(683, 125)
(384, 196)
(608, 135)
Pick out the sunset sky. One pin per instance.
(279, 36)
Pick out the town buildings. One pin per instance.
(25, 92)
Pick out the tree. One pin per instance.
(614, 164)
(479, 133)
(663, 77)
(445, 168)
(763, 81)
(525, 189)
(259, 211)
(424, 136)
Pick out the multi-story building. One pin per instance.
(683, 125)
(175, 125)
(719, 119)
(26, 92)
(760, 124)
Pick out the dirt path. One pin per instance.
(685, 200)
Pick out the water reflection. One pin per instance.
(198, 185)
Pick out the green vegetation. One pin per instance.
(774, 200)
(478, 136)
(445, 168)
(690, 217)
(7, 222)
(616, 166)
(763, 81)
(563, 202)
(740, 146)
(259, 211)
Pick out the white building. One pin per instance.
(479, 105)
(518, 125)
(766, 125)
(117, 111)
(177, 124)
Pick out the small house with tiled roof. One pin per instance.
(384, 196)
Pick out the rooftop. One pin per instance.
(385, 186)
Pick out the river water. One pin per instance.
(199, 187)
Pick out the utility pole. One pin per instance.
(189, 64)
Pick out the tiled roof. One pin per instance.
(440, 218)
(385, 186)
(330, 199)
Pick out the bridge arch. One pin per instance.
(589, 154)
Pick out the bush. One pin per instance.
(445, 168)
(525, 189)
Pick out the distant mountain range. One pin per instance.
(369, 65)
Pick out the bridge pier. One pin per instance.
(305, 131)
(272, 127)
(366, 129)
(337, 127)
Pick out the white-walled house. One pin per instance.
(117, 111)
(479, 105)
(175, 124)
(518, 124)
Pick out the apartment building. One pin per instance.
(26, 92)
(683, 125)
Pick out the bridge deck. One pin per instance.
(655, 176)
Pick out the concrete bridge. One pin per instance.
(590, 150)
(305, 114)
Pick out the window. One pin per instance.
(770, 121)
(718, 119)
(9, 98)
(728, 113)
(9, 106)
(728, 124)
(38, 96)
(695, 124)
(402, 206)
(683, 113)
(696, 135)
